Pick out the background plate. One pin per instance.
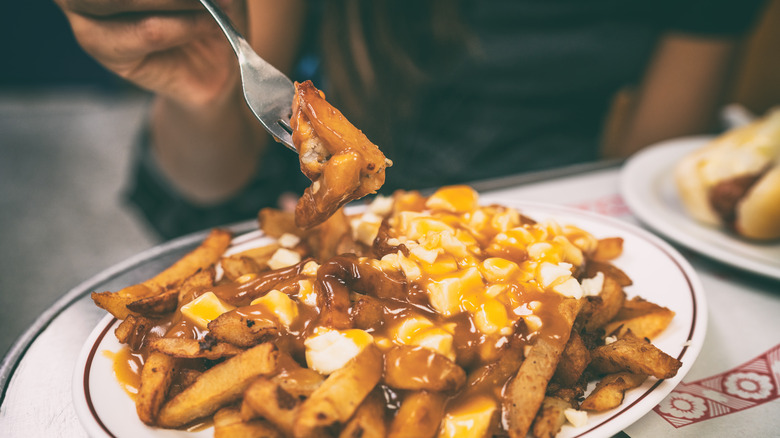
(647, 185)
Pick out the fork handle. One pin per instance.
(237, 41)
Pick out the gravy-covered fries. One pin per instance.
(433, 315)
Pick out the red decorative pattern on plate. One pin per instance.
(749, 385)
(610, 205)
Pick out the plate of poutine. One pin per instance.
(429, 314)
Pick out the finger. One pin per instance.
(126, 39)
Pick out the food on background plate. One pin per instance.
(428, 314)
(338, 158)
(734, 181)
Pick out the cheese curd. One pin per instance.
(328, 350)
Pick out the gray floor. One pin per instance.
(64, 158)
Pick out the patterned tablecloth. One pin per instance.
(731, 390)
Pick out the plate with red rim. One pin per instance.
(648, 188)
(660, 274)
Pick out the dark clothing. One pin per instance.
(531, 93)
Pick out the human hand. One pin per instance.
(170, 47)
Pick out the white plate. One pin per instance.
(647, 185)
(659, 272)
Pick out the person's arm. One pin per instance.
(681, 93)
(210, 152)
(204, 140)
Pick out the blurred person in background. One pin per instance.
(451, 90)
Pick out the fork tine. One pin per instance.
(282, 133)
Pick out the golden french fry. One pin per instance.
(133, 331)
(201, 258)
(228, 424)
(205, 255)
(156, 305)
(368, 420)
(634, 355)
(574, 359)
(194, 349)
(592, 267)
(276, 222)
(609, 392)
(221, 385)
(601, 309)
(156, 376)
(239, 329)
(643, 318)
(277, 399)
(261, 254)
(420, 368)
(238, 265)
(550, 418)
(340, 394)
(326, 237)
(114, 303)
(419, 415)
(609, 248)
(526, 392)
(197, 282)
(267, 399)
(182, 379)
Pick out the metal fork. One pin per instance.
(267, 91)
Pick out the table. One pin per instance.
(743, 336)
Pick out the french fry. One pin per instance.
(276, 222)
(114, 303)
(133, 331)
(419, 415)
(238, 265)
(194, 349)
(634, 355)
(601, 309)
(219, 386)
(643, 318)
(241, 330)
(574, 359)
(261, 254)
(609, 248)
(419, 368)
(156, 305)
(340, 394)
(198, 281)
(592, 267)
(325, 238)
(551, 417)
(228, 424)
(266, 398)
(156, 376)
(609, 392)
(278, 398)
(202, 257)
(368, 420)
(527, 390)
(183, 378)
